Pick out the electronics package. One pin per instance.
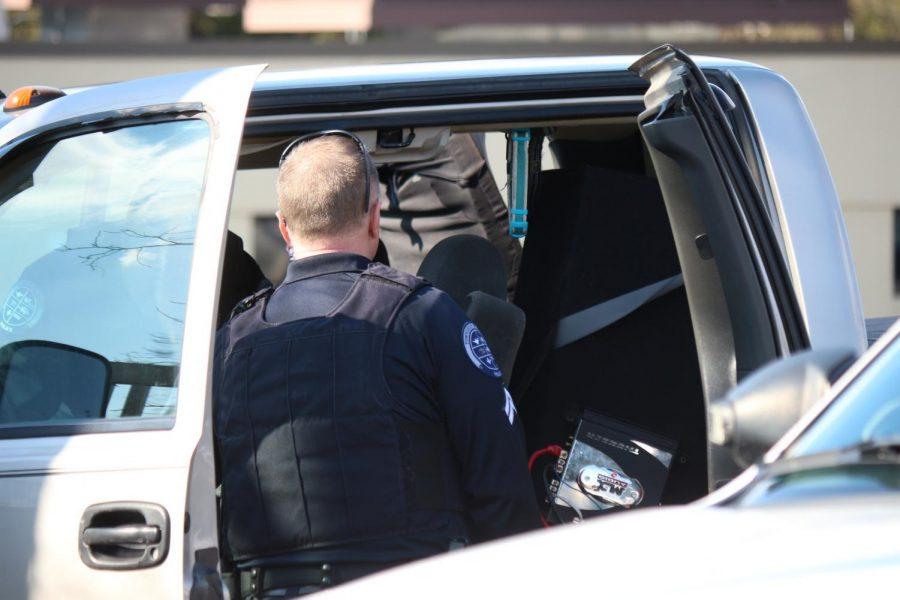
(608, 466)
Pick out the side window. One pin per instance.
(96, 235)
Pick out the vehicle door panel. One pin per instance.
(50, 473)
(742, 305)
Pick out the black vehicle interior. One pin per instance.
(598, 230)
(641, 369)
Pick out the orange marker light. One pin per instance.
(30, 96)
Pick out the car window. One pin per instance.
(96, 235)
(868, 410)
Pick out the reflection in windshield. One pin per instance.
(868, 411)
(837, 481)
(97, 236)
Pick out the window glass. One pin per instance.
(868, 410)
(96, 234)
(268, 248)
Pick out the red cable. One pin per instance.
(552, 449)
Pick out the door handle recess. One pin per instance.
(124, 535)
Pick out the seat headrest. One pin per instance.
(463, 264)
(502, 324)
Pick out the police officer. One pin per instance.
(361, 422)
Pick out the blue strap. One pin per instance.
(518, 201)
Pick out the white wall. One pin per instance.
(852, 99)
(853, 102)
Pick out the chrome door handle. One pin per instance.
(138, 535)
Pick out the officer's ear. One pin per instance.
(374, 220)
(283, 228)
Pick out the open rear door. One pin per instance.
(113, 206)
(742, 303)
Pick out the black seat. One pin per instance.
(597, 235)
(470, 270)
(241, 276)
(381, 254)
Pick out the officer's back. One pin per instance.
(357, 427)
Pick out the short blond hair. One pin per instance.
(321, 185)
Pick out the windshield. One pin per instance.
(868, 411)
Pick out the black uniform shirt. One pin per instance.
(434, 378)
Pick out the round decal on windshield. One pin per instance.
(21, 308)
(478, 351)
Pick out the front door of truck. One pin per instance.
(113, 204)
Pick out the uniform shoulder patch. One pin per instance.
(509, 406)
(478, 351)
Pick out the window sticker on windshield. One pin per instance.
(478, 351)
(21, 308)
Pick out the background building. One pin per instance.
(844, 58)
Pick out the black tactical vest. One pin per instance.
(312, 452)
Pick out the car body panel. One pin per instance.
(134, 94)
(389, 86)
(832, 547)
(390, 74)
(48, 482)
(809, 212)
